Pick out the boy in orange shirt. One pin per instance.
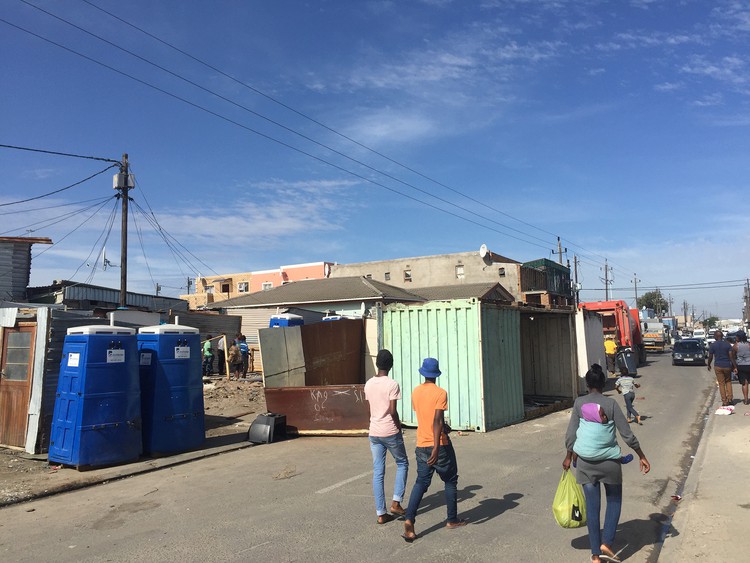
(434, 449)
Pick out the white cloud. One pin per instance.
(730, 70)
(709, 100)
(668, 86)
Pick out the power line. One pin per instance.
(331, 129)
(295, 132)
(109, 221)
(268, 137)
(97, 199)
(60, 190)
(59, 153)
(52, 220)
(323, 125)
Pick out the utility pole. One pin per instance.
(635, 284)
(670, 304)
(123, 182)
(189, 283)
(607, 281)
(575, 278)
(685, 311)
(559, 250)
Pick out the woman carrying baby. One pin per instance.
(591, 437)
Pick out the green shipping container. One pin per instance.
(479, 350)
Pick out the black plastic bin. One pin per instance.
(627, 359)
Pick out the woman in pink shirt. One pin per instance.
(381, 393)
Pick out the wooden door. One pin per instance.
(15, 383)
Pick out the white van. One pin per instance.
(699, 333)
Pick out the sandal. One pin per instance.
(385, 518)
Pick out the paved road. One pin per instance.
(310, 499)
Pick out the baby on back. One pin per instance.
(595, 438)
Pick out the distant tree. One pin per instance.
(653, 300)
(710, 321)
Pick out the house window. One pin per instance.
(387, 276)
(407, 275)
(501, 272)
(243, 287)
(266, 285)
(460, 272)
(368, 276)
(225, 288)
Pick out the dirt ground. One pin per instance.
(229, 406)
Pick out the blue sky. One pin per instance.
(621, 127)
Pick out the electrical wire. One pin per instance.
(56, 153)
(143, 248)
(109, 219)
(176, 254)
(171, 241)
(61, 189)
(102, 253)
(270, 138)
(289, 129)
(313, 120)
(330, 129)
(44, 223)
(97, 199)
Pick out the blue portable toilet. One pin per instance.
(171, 388)
(97, 414)
(287, 319)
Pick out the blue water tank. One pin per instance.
(97, 414)
(287, 319)
(171, 388)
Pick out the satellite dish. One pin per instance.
(483, 251)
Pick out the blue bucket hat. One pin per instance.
(430, 368)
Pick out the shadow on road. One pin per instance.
(486, 510)
(634, 535)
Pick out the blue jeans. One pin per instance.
(379, 446)
(629, 398)
(447, 468)
(208, 365)
(593, 494)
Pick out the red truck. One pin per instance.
(622, 323)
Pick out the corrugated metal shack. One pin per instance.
(35, 336)
(15, 261)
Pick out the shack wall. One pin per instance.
(547, 355)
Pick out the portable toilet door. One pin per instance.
(97, 414)
(171, 388)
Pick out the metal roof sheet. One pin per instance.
(328, 290)
(487, 291)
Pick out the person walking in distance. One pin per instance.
(721, 351)
(741, 355)
(382, 394)
(626, 385)
(434, 449)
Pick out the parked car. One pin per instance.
(688, 351)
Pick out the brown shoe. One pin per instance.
(457, 524)
(398, 510)
(385, 518)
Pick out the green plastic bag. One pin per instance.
(569, 506)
